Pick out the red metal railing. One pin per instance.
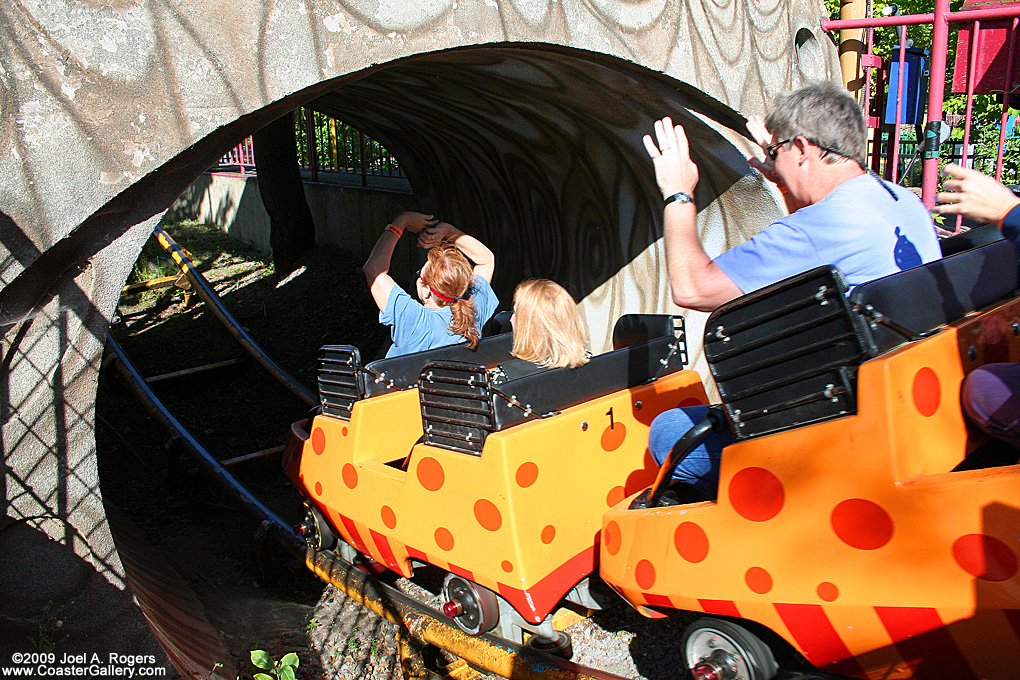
(324, 144)
(940, 19)
(242, 156)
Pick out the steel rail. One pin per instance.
(269, 521)
(209, 296)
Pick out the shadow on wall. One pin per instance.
(61, 577)
(351, 217)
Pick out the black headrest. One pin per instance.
(559, 388)
(937, 293)
(403, 371)
(498, 324)
(630, 329)
(979, 236)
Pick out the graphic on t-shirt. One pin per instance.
(904, 253)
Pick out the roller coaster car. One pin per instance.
(487, 467)
(858, 524)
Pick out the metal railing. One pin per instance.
(940, 20)
(242, 155)
(324, 144)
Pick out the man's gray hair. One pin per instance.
(827, 115)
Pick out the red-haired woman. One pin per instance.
(453, 286)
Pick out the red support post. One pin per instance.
(936, 95)
(895, 150)
(1005, 100)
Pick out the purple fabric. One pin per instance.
(991, 399)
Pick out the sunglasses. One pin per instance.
(773, 149)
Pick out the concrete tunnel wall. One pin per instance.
(520, 120)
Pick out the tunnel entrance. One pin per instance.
(534, 144)
(536, 151)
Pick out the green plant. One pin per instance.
(209, 674)
(48, 636)
(284, 669)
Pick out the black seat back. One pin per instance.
(631, 329)
(787, 355)
(928, 297)
(401, 373)
(460, 406)
(456, 405)
(980, 235)
(341, 380)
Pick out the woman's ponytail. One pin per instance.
(450, 274)
(463, 320)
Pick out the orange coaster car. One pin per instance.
(858, 524)
(497, 475)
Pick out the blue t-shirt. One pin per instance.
(858, 227)
(416, 328)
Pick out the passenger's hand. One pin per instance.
(763, 138)
(432, 235)
(413, 221)
(671, 156)
(974, 195)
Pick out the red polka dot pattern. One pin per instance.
(548, 534)
(318, 441)
(862, 524)
(615, 495)
(526, 475)
(350, 475)
(644, 574)
(611, 537)
(389, 518)
(756, 494)
(430, 474)
(691, 542)
(318, 488)
(926, 392)
(506, 566)
(690, 401)
(828, 591)
(613, 437)
(758, 580)
(984, 557)
(444, 539)
(488, 515)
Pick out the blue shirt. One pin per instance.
(416, 328)
(858, 227)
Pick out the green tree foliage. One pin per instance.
(338, 146)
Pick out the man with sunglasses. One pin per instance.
(815, 141)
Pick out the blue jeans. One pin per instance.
(701, 467)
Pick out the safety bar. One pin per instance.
(714, 421)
